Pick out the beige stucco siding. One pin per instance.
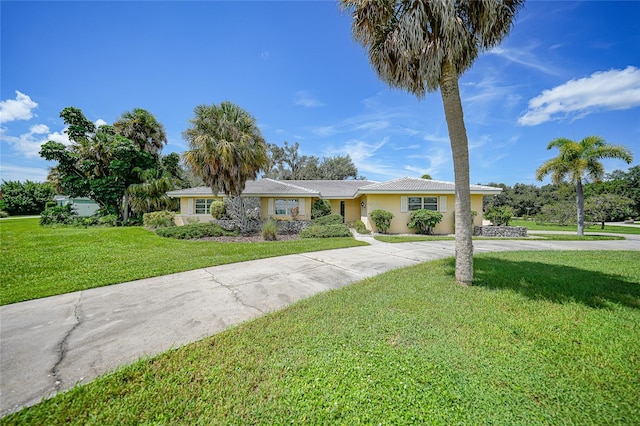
(392, 203)
(351, 207)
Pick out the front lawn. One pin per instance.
(532, 226)
(542, 338)
(555, 237)
(39, 261)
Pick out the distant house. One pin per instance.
(83, 206)
(352, 199)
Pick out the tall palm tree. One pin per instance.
(227, 149)
(421, 45)
(140, 126)
(578, 159)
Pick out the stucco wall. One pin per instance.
(352, 209)
(391, 203)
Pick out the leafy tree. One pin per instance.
(423, 221)
(226, 150)
(286, 163)
(422, 46)
(142, 127)
(427, 176)
(559, 212)
(499, 215)
(607, 207)
(382, 219)
(26, 198)
(578, 159)
(618, 182)
(320, 208)
(99, 163)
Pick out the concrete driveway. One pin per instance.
(51, 344)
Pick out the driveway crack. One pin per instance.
(234, 293)
(63, 346)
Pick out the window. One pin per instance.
(203, 205)
(427, 203)
(284, 205)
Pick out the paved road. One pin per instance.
(48, 345)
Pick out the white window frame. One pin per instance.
(431, 204)
(207, 204)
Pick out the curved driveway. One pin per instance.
(51, 344)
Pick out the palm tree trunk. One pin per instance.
(460, 150)
(580, 204)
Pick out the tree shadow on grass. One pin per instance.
(557, 283)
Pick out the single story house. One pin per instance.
(83, 206)
(352, 199)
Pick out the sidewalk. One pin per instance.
(49, 345)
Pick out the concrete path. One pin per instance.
(51, 344)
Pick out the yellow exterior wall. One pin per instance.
(391, 203)
(351, 208)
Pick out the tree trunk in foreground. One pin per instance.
(460, 150)
(580, 204)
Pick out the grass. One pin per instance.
(39, 262)
(542, 338)
(531, 225)
(555, 237)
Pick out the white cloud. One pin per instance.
(21, 174)
(100, 122)
(20, 108)
(305, 99)
(605, 90)
(524, 56)
(28, 144)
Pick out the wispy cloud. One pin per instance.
(524, 56)
(307, 100)
(20, 173)
(20, 108)
(29, 143)
(604, 90)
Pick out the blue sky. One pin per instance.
(568, 69)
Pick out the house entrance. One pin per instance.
(342, 209)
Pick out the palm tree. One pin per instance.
(141, 126)
(226, 147)
(578, 159)
(421, 45)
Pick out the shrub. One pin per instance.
(320, 208)
(326, 231)
(499, 215)
(195, 230)
(562, 212)
(161, 219)
(382, 219)
(360, 227)
(332, 219)
(3, 213)
(218, 209)
(108, 220)
(270, 230)
(423, 221)
(25, 198)
(59, 215)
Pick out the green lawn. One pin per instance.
(532, 226)
(555, 237)
(542, 338)
(39, 261)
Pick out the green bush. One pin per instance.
(270, 230)
(320, 208)
(3, 213)
(108, 220)
(194, 230)
(161, 219)
(326, 231)
(360, 227)
(218, 209)
(25, 198)
(382, 219)
(423, 221)
(59, 215)
(562, 213)
(499, 215)
(332, 219)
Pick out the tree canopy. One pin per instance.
(286, 163)
(578, 160)
(101, 163)
(421, 46)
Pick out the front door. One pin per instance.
(342, 209)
